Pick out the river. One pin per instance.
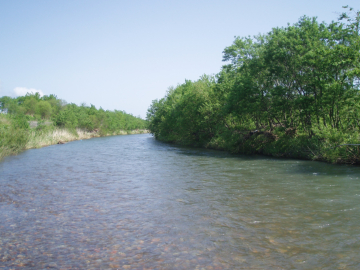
(131, 202)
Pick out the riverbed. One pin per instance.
(131, 202)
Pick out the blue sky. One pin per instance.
(124, 54)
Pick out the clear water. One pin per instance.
(130, 202)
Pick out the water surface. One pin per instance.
(130, 202)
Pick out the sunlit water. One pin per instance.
(130, 202)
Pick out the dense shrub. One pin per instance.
(293, 92)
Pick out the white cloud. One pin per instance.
(22, 91)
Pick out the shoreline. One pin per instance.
(61, 136)
(284, 147)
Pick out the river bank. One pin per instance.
(280, 94)
(15, 142)
(326, 146)
(60, 136)
(32, 121)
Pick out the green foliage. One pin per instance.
(293, 92)
(19, 121)
(90, 118)
(66, 118)
(13, 134)
(29, 105)
(33, 107)
(186, 114)
(51, 112)
(43, 108)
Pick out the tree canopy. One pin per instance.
(62, 114)
(297, 84)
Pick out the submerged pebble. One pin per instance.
(134, 203)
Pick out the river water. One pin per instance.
(131, 202)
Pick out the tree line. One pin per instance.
(51, 114)
(293, 92)
(32, 107)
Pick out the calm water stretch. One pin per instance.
(130, 202)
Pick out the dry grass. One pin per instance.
(4, 120)
(57, 135)
(37, 140)
(129, 132)
(5, 151)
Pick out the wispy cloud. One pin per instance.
(22, 91)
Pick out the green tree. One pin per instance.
(43, 108)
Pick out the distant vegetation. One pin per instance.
(51, 115)
(293, 92)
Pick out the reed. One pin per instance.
(39, 139)
(14, 140)
(5, 151)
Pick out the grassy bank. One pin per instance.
(327, 145)
(14, 138)
(39, 139)
(34, 121)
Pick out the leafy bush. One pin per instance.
(293, 92)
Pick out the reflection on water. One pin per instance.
(130, 202)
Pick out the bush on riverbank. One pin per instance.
(13, 138)
(293, 92)
(32, 107)
(54, 120)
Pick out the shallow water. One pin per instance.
(130, 202)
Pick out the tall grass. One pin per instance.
(15, 139)
(47, 137)
(50, 136)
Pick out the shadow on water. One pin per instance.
(298, 166)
